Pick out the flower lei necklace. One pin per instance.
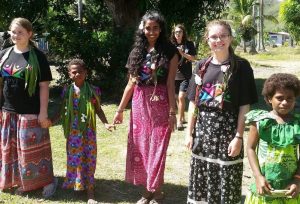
(150, 67)
(89, 98)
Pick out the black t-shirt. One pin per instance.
(162, 70)
(241, 86)
(184, 70)
(15, 97)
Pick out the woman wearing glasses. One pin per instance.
(220, 93)
(187, 53)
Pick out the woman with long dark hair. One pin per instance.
(152, 66)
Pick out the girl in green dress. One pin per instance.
(273, 144)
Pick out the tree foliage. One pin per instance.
(290, 15)
(30, 9)
(104, 37)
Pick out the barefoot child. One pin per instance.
(81, 102)
(273, 144)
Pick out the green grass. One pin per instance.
(110, 171)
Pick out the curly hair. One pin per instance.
(280, 81)
(184, 36)
(141, 43)
(78, 62)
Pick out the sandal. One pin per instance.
(19, 191)
(50, 189)
(158, 199)
(180, 126)
(144, 200)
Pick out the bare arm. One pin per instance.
(171, 91)
(262, 185)
(44, 98)
(127, 94)
(235, 145)
(190, 125)
(186, 55)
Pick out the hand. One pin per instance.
(172, 122)
(46, 123)
(180, 50)
(189, 142)
(109, 127)
(262, 185)
(293, 190)
(43, 120)
(118, 118)
(235, 147)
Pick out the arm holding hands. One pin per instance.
(44, 98)
(127, 94)
(171, 91)
(235, 145)
(103, 119)
(262, 185)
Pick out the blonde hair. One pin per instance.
(25, 23)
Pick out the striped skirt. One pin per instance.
(215, 178)
(25, 152)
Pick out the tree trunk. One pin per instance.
(253, 44)
(261, 26)
(125, 13)
(244, 46)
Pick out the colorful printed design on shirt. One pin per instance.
(14, 70)
(212, 95)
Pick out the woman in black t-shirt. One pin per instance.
(187, 53)
(25, 151)
(220, 93)
(152, 65)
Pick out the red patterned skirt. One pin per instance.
(148, 137)
(25, 152)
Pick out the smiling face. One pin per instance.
(218, 38)
(151, 31)
(283, 101)
(77, 73)
(19, 35)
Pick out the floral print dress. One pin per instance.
(81, 153)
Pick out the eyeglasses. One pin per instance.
(221, 37)
(178, 31)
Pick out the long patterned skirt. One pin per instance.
(25, 152)
(148, 137)
(215, 177)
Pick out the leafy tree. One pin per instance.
(30, 9)
(290, 15)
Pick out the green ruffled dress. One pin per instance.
(278, 154)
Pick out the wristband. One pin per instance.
(120, 110)
(239, 137)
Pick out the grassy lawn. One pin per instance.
(110, 185)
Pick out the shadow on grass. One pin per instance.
(112, 191)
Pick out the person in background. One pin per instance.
(25, 149)
(152, 66)
(220, 93)
(187, 53)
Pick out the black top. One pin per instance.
(184, 70)
(163, 61)
(15, 97)
(241, 86)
